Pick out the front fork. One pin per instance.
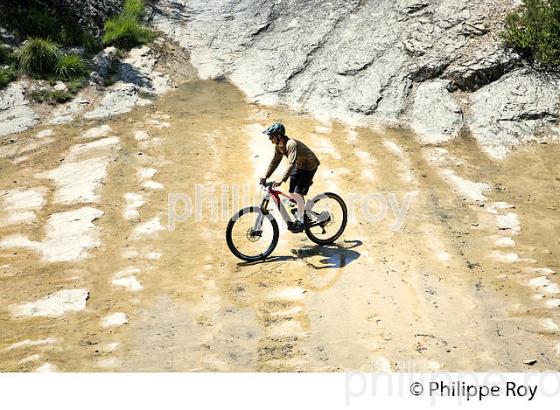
(260, 217)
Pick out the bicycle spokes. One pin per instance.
(326, 219)
(252, 235)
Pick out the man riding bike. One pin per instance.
(303, 165)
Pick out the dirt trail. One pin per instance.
(465, 282)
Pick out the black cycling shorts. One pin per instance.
(301, 180)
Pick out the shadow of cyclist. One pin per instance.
(332, 256)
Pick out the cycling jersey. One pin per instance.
(299, 155)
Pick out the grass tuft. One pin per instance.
(6, 55)
(51, 96)
(125, 30)
(7, 75)
(71, 66)
(38, 57)
(134, 8)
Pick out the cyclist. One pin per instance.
(303, 165)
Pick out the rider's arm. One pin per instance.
(274, 163)
(291, 149)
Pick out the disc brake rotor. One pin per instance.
(252, 235)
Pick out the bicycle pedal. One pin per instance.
(296, 227)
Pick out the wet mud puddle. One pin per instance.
(449, 260)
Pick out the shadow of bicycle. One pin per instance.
(329, 256)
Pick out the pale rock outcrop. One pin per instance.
(436, 117)
(372, 61)
(15, 113)
(55, 304)
(139, 69)
(69, 236)
(511, 110)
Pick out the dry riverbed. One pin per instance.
(92, 279)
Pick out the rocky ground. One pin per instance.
(436, 66)
(92, 277)
(133, 79)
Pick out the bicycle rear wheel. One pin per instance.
(247, 243)
(326, 220)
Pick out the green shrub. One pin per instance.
(41, 23)
(71, 66)
(51, 96)
(91, 43)
(43, 19)
(5, 55)
(7, 75)
(59, 96)
(126, 32)
(534, 31)
(38, 56)
(70, 34)
(134, 8)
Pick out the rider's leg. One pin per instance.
(300, 181)
(300, 204)
(296, 193)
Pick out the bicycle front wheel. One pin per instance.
(327, 218)
(252, 235)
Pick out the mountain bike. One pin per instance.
(252, 233)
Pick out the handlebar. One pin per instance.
(267, 186)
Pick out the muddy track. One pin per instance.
(466, 282)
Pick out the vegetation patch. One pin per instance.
(49, 96)
(75, 85)
(7, 75)
(534, 32)
(47, 29)
(36, 18)
(71, 66)
(8, 72)
(6, 55)
(125, 30)
(134, 8)
(38, 57)
(92, 44)
(52, 96)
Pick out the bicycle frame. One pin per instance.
(275, 194)
(312, 217)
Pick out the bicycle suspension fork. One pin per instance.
(262, 213)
